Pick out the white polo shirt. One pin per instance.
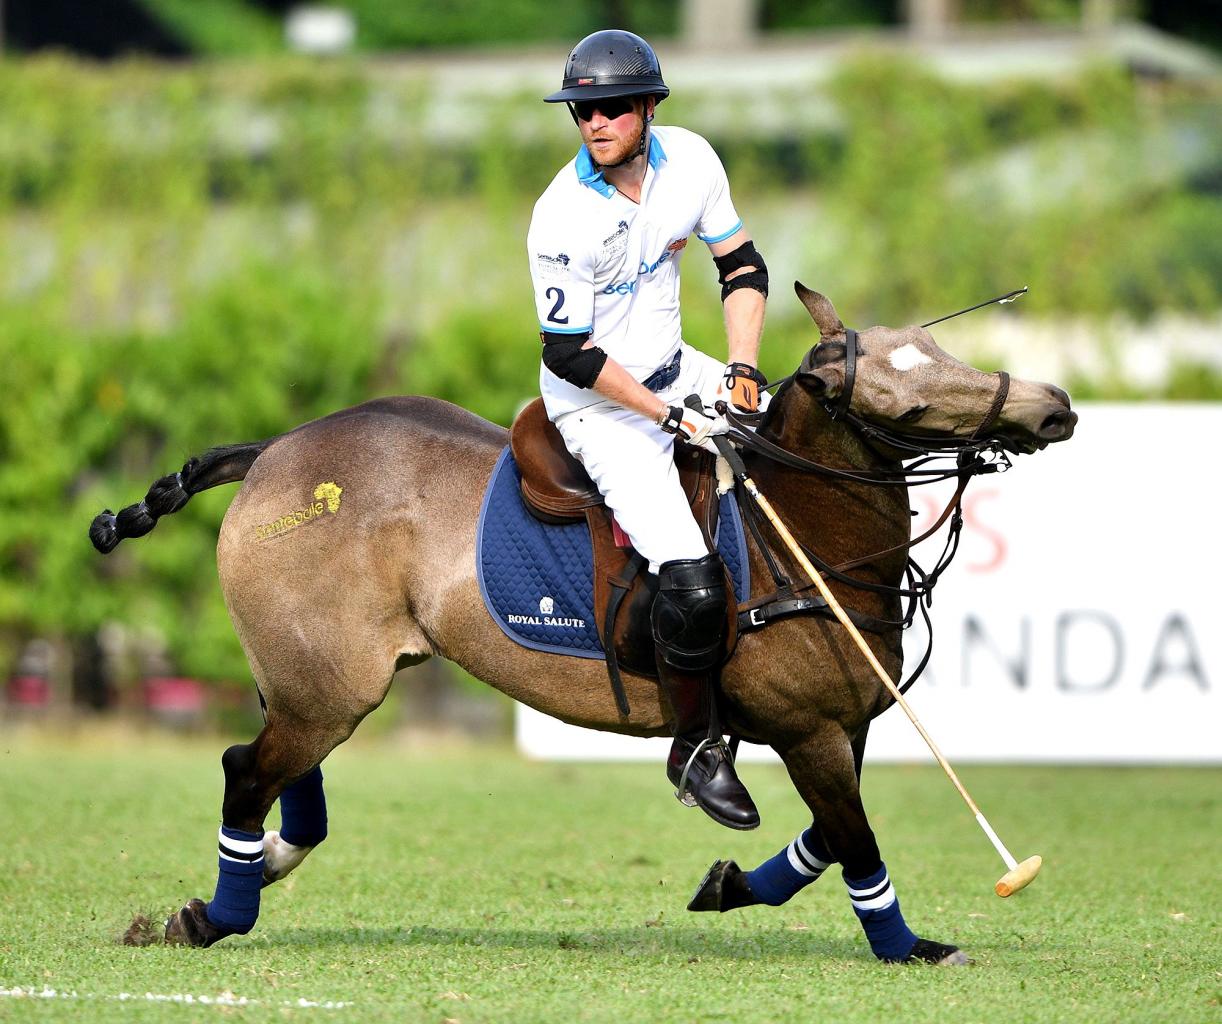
(603, 264)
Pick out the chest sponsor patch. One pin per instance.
(552, 268)
(615, 244)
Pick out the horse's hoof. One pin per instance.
(723, 888)
(191, 927)
(928, 952)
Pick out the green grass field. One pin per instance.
(474, 887)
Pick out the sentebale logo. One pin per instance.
(326, 499)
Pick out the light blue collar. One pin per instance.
(592, 177)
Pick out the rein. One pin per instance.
(973, 455)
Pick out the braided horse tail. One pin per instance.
(224, 465)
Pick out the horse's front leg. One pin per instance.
(249, 859)
(824, 771)
(727, 887)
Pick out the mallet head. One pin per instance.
(1018, 877)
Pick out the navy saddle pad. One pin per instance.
(537, 579)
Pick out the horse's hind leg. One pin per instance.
(303, 825)
(281, 762)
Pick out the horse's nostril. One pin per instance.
(1058, 425)
(1058, 395)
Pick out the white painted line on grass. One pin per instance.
(223, 999)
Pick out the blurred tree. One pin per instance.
(816, 14)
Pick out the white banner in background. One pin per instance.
(1080, 621)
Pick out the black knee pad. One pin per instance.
(689, 614)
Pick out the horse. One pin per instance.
(349, 553)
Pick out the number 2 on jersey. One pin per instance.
(558, 295)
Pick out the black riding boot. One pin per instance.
(688, 618)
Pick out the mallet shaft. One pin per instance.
(998, 845)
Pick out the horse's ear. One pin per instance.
(821, 311)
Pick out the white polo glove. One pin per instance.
(694, 427)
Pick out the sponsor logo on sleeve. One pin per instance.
(552, 268)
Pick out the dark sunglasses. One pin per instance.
(611, 108)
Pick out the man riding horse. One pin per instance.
(605, 242)
(399, 542)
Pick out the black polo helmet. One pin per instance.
(611, 63)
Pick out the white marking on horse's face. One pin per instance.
(906, 357)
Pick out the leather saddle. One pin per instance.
(557, 489)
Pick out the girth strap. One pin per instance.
(782, 607)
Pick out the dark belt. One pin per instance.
(664, 376)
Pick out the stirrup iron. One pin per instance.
(682, 794)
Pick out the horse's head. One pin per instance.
(902, 380)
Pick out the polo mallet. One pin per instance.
(1018, 876)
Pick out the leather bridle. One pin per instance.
(973, 455)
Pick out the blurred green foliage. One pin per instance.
(501, 22)
(238, 27)
(221, 27)
(89, 416)
(245, 27)
(786, 15)
(195, 255)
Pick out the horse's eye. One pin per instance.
(914, 414)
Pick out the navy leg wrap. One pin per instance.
(235, 906)
(777, 880)
(878, 909)
(303, 811)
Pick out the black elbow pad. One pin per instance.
(564, 356)
(746, 255)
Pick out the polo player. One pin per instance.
(605, 243)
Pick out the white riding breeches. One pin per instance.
(631, 461)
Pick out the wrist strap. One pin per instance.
(745, 370)
(672, 420)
